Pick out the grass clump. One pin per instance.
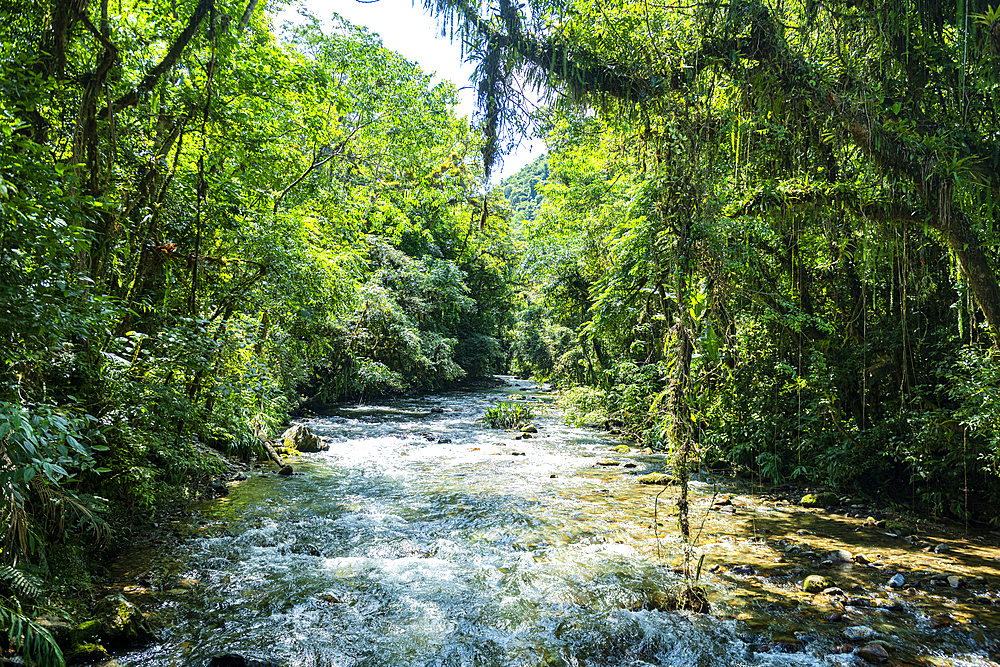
(508, 415)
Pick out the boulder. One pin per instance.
(825, 499)
(81, 653)
(815, 583)
(530, 428)
(88, 632)
(873, 653)
(122, 624)
(301, 438)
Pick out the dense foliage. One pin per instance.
(768, 237)
(522, 190)
(204, 227)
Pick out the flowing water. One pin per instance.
(422, 538)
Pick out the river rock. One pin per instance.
(301, 438)
(956, 581)
(897, 581)
(873, 653)
(825, 499)
(286, 471)
(81, 653)
(122, 624)
(88, 632)
(621, 449)
(815, 583)
(530, 428)
(660, 478)
(862, 559)
(942, 548)
(608, 462)
(437, 411)
(837, 556)
(857, 633)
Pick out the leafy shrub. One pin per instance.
(583, 406)
(508, 415)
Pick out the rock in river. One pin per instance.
(301, 438)
(815, 583)
(897, 581)
(825, 499)
(873, 653)
(857, 633)
(122, 624)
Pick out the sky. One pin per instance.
(405, 28)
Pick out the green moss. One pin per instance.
(825, 499)
(661, 478)
(815, 583)
(87, 632)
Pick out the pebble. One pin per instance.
(897, 581)
(858, 633)
(956, 581)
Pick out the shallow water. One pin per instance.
(394, 548)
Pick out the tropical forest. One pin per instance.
(289, 376)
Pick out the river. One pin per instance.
(423, 538)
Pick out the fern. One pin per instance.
(19, 583)
(30, 640)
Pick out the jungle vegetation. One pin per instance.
(764, 238)
(207, 223)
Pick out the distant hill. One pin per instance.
(523, 189)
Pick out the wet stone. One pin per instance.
(874, 653)
(897, 581)
(858, 633)
(815, 583)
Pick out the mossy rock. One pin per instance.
(122, 624)
(88, 632)
(621, 449)
(815, 583)
(530, 428)
(824, 499)
(660, 478)
(608, 462)
(900, 528)
(89, 652)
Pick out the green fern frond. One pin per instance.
(30, 640)
(20, 583)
